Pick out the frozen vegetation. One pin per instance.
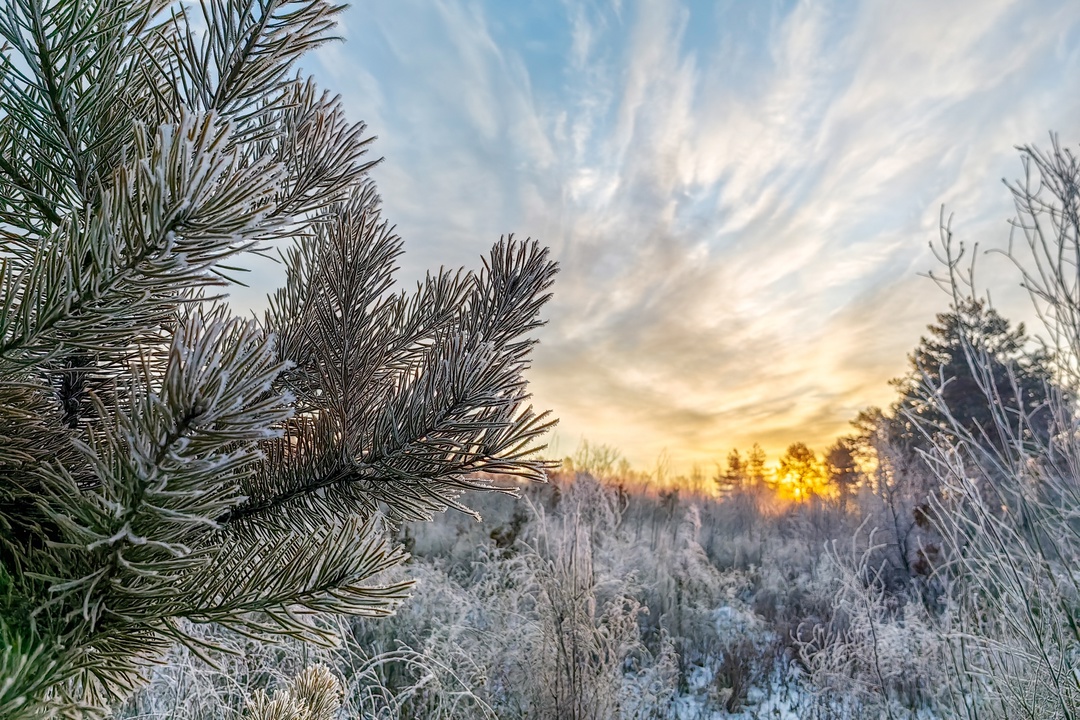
(204, 515)
(923, 567)
(592, 598)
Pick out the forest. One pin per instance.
(342, 507)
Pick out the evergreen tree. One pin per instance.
(843, 468)
(755, 465)
(996, 374)
(161, 461)
(801, 469)
(734, 476)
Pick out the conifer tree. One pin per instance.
(163, 462)
(801, 467)
(734, 477)
(1015, 376)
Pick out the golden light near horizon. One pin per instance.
(780, 486)
(794, 488)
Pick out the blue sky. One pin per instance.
(740, 193)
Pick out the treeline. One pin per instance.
(1015, 377)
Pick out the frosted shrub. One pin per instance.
(1011, 529)
(879, 652)
(246, 677)
(587, 619)
(549, 627)
(1010, 507)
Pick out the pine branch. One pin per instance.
(402, 417)
(274, 572)
(178, 212)
(168, 464)
(68, 76)
(160, 460)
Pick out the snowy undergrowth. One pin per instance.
(583, 601)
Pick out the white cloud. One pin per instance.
(739, 226)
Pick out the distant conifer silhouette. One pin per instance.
(1007, 375)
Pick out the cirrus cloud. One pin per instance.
(740, 194)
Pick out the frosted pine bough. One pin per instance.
(162, 461)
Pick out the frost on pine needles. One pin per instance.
(163, 462)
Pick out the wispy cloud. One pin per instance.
(740, 194)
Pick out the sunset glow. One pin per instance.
(740, 194)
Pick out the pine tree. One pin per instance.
(163, 462)
(842, 467)
(734, 477)
(972, 365)
(800, 471)
(755, 465)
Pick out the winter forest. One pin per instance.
(344, 505)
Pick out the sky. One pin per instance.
(741, 194)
